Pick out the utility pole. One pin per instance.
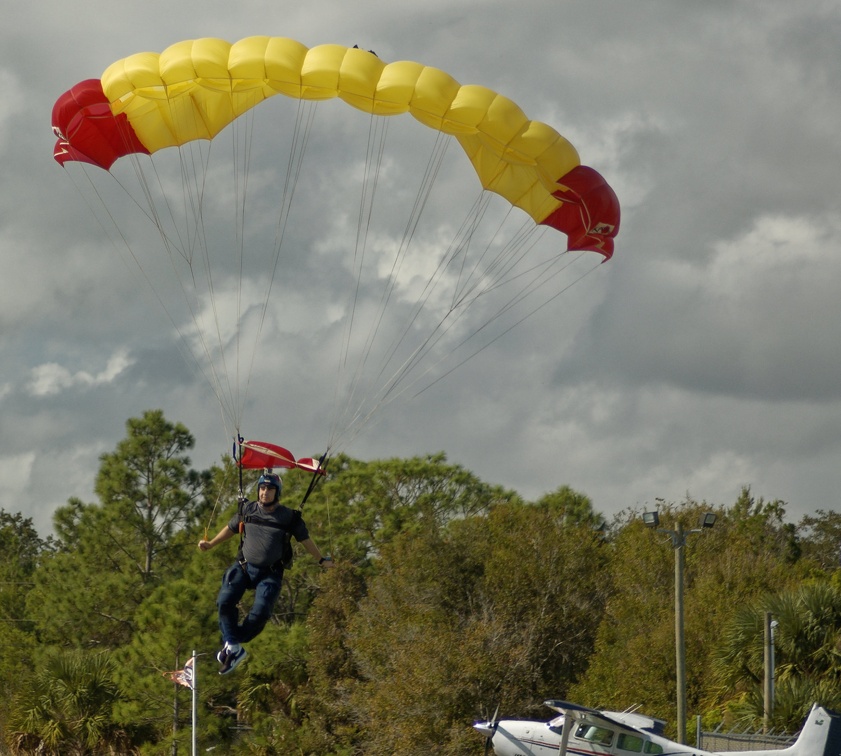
(678, 539)
(679, 543)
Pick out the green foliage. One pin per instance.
(65, 708)
(491, 609)
(364, 505)
(21, 552)
(749, 552)
(113, 554)
(148, 491)
(449, 597)
(807, 650)
(821, 539)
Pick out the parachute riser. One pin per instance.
(237, 454)
(317, 474)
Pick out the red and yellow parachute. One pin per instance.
(194, 89)
(167, 117)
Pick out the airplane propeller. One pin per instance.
(488, 729)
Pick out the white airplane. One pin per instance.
(610, 733)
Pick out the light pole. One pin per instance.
(768, 692)
(678, 538)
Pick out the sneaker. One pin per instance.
(222, 654)
(232, 660)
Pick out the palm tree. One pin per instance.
(66, 709)
(807, 655)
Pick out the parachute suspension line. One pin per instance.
(421, 199)
(391, 394)
(538, 280)
(242, 133)
(398, 385)
(469, 285)
(356, 417)
(175, 248)
(305, 115)
(182, 344)
(118, 238)
(351, 414)
(457, 247)
(512, 326)
(186, 353)
(238, 440)
(377, 133)
(193, 171)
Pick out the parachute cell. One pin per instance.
(194, 89)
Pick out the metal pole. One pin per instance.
(768, 687)
(195, 702)
(774, 624)
(175, 712)
(680, 654)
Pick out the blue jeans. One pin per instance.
(235, 582)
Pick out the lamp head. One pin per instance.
(707, 519)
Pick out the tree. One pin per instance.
(807, 655)
(749, 551)
(148, 490)
(176, 618)
(363, 505)
(66, 708)
(572, 506)
(820, 538)
(501, 608)
(112, 555)
(21, 551)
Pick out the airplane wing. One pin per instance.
(578, 713)
(628, 720)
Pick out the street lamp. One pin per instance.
(678, 538)
(768, 692)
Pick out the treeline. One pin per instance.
(450, 597)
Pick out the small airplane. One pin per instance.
(609, 733)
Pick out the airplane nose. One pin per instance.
(485, 728)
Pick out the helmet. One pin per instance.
(270, 479)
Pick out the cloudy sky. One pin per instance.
(702, 358)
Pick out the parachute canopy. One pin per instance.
(194, 89)
(173, 155)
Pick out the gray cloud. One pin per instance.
(702, 358)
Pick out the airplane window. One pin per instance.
(653, 748)
(594, 734)
(629, 742)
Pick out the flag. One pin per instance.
(183, 676)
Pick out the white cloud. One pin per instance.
(51, 378)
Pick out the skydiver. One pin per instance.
(266, 526)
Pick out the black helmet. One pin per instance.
(270, 479)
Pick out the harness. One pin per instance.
(287, 555)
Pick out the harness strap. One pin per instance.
(286, 557)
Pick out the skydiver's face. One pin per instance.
(267, 495)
